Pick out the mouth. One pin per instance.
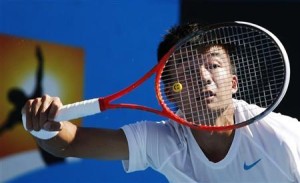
(206, 95)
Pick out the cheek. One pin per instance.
(223, 79)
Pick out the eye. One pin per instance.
(213, 66)
(215, 54)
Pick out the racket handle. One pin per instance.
(66, 113)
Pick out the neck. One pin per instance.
(214, 144)
(216, 117)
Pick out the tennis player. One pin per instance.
(265, 151)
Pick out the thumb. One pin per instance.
(52, 126)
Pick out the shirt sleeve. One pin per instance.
(136, 136)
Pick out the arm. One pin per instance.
(73, 141)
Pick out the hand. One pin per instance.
(40, 113)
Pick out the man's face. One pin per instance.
(207, 82)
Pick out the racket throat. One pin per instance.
(103, 103)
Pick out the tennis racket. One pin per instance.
(205, 77)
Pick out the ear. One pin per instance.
(234, 87)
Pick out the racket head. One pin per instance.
(194, 89)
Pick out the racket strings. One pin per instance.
(251, 73)
(237, 37)
(256, 59)
(277, 69)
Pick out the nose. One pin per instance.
(205, 76)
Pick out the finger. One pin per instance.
(46, 101)
(52, 126)
(27, 110)
(35, 113)
(55, 106)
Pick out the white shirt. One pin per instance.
(265, 151)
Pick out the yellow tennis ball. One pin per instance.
(177, 87)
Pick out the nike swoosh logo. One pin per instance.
(248, 167)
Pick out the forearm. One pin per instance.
(73, 141)
(60, 145)
(97, 143)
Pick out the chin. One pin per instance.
(217, 107)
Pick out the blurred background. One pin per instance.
(81, 49)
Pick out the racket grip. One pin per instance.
(66, 113)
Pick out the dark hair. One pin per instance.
(174, 35)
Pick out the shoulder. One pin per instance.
(282, 125)
(274, 131)
(154, 142)
(162, 130)
(274, 124)
(276, 135)
(281, 135)
(163, 137)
